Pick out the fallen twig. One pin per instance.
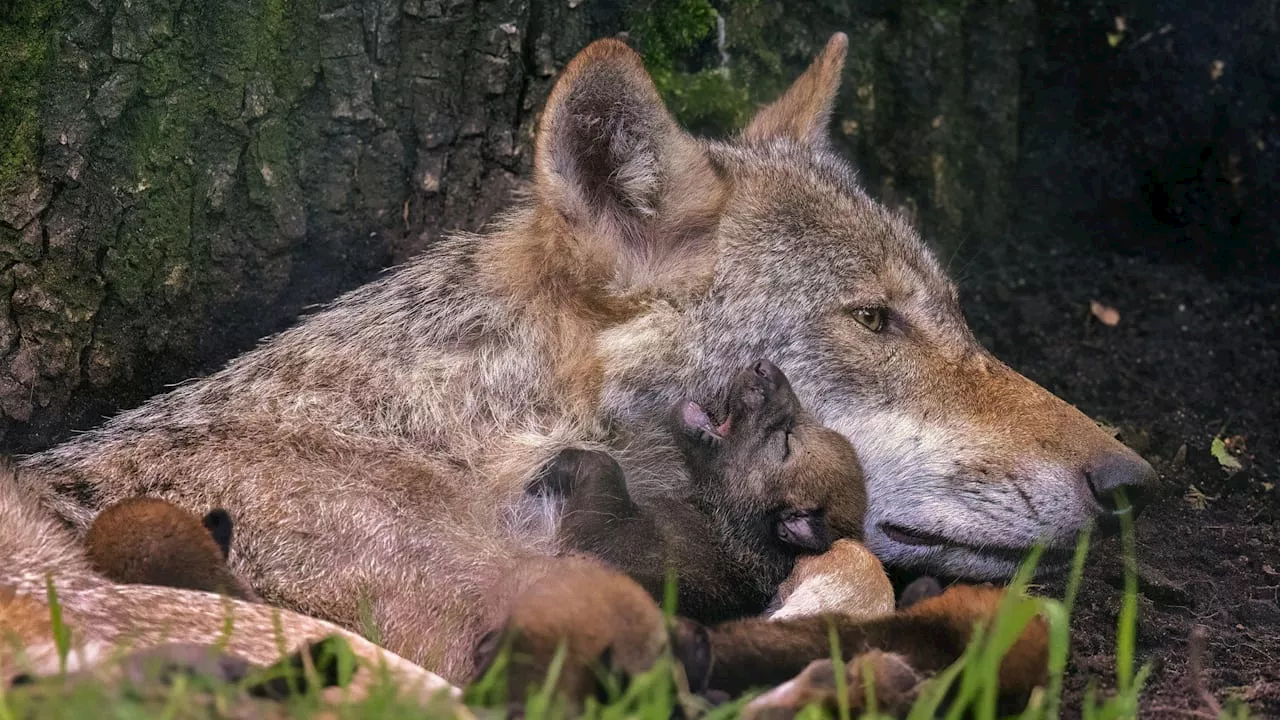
(1196, 646)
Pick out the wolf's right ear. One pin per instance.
(802, 113)
(635, 190)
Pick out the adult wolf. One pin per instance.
(380, 449)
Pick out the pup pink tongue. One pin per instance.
(724, 426)
(695, 417)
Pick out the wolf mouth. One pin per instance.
(921, 538)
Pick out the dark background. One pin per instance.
(179, 179)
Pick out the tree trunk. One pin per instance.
(191, 175)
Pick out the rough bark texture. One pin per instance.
(179, 178)
(204, 170)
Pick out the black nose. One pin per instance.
(1116, 473)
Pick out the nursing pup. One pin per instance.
(149, 541)
(767, 484)
(103, 619)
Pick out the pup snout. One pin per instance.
(1112, 472)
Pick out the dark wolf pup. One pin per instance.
(380, 450)
(767, 485)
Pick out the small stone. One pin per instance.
(1259, 613)
(1161, 588)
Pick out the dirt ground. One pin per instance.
(1194, 355)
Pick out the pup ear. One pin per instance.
(218, 523)
(803, 111)
(805, 530)
(636, 190)
(487, 651)
(691, 646)
(922, 588)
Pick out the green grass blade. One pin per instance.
(1058, 618)
(540, 706)
(935, 690)
(61, 633)
(970, 674)
(1127, 625)
(1058, 615)
(366, 619)
(670, 594)
(837, 662)
(1015, 612)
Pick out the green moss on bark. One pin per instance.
(672, 34)
(27, 30)
(227, 70)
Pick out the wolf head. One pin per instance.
(766, 246)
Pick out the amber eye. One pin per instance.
(872, 318)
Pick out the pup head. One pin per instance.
(605, 628)
(154, 542)
(769, 459)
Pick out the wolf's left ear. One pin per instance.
(612, 162)
(803, 111)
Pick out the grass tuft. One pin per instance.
(968, 688)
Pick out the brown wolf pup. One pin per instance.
(381, 448)
(608, 623)
(928, 637)
(767, 485)
(610, 628)
(150, 541)
(895, 683)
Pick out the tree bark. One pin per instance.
(205, 170)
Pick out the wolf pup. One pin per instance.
(149, 541)
(607, 624)
(766, 485)
(381, 448)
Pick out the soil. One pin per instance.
(1194, 355)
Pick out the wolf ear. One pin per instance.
(802, 113)
(612, 162)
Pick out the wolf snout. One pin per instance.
(1115, 472)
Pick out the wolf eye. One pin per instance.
(872, 318)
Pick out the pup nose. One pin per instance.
(1114, 471)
